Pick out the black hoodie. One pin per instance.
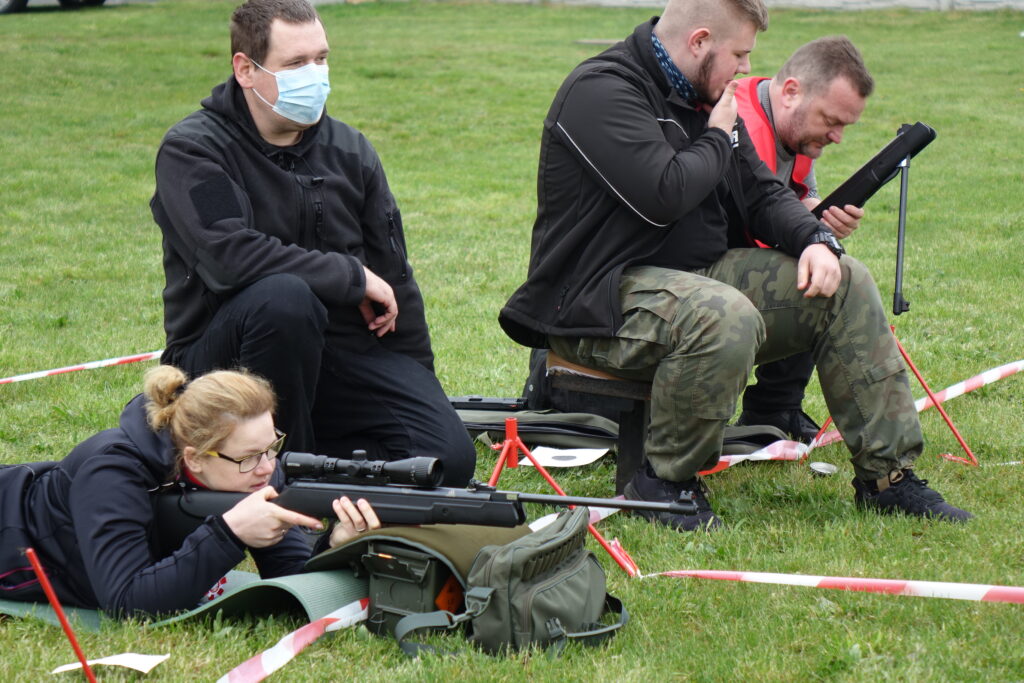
(234, 208)
(90, 519)
(630, 174)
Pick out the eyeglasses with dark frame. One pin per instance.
(249, 463)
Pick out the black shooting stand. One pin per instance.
(900, 305)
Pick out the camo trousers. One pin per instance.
(696, 336)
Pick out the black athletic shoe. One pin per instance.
(796, 423)
(906, 493)
(646, 486)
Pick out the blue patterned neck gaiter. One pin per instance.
(675, 76)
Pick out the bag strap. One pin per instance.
(477, 600)
(597, 634)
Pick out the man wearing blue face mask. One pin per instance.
(284, 253)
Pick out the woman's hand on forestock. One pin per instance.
(258, 523)
(353, 519)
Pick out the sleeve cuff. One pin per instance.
(222, 530)
(720, 133)
(356, 279)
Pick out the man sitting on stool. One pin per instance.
(647, 182)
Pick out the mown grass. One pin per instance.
(453, 96)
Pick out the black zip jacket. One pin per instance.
(90, 519)
(630, 174)
(233, 208)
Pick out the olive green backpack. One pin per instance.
(508, 588)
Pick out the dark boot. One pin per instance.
(645, 485)
(902, 491)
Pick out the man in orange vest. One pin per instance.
(791, 118)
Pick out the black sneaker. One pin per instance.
(646, 486)
(906, 493)
(796, 423)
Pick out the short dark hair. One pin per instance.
(250, 24)
(820, 62)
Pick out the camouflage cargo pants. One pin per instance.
(696, 336)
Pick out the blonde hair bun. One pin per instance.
(162, 385)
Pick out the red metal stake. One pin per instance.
(55, 604)
(970, 459)
(509, 450)
(509, 458)
(824, 428)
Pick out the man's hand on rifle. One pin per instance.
(841, 221)
(353, 519)
(259, 523)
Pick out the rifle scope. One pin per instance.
(421, 472)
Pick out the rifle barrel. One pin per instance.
(677, 507)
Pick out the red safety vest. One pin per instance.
(763, 135)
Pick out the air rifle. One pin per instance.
(880, 169)
(400, 491)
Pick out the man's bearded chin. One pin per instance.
(797, 125)
(700, 84)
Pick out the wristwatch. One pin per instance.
(829, 240)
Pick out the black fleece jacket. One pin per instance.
(233, 209)
(90, 518)
(630, 174)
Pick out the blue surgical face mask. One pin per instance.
(301, 93)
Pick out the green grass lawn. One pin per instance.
(453, 96)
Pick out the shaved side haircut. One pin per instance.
(682, 16)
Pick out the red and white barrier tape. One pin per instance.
(921, 589)
(123, 360)
(950, 392)
(269, 661)
(825, 438)
(976, 382)
(779, 450)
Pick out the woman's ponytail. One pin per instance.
(162, 385)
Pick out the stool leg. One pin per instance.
(632, 431)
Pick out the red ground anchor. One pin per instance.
(510, 449)
(44, 581)
(970, 459)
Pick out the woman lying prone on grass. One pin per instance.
(90, 516)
